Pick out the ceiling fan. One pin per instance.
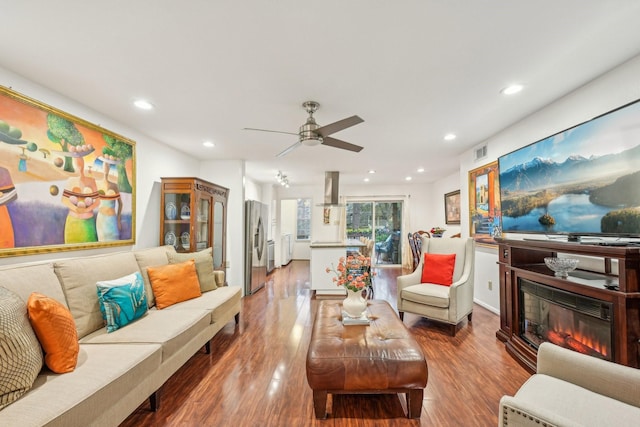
(311, 133)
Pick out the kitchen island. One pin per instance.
(327, 254)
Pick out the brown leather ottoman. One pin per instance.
(382, 357)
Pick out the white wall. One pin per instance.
(438, 190)
(252, 190)
(230, 174)
(153, 160)
(288, 216)
(287, 224)
(611, 90)
(268, 192)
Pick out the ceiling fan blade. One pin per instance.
(332, 142)
(289, 149)
(338, 126)
(267, 130)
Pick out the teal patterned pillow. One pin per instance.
(122, 300)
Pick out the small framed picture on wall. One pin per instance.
(452, 207)
(326, 216)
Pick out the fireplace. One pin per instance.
(566, 319)
(593, 310)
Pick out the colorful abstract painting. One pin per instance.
(484, 204)
(65, 183)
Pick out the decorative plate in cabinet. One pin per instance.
(170, 238)
(185, 211)
(185, 239)
(170, 210)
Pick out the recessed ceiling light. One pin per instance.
(512, 89)
(143, 104)
(408, 178)
(420, 170)
(209, 144)
(372, 171)
(366, 180)
(450, 137)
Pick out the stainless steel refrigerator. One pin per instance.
(255, 245)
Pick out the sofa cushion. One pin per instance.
(575, 403)
(79, 276)
(32, 278)
(104, 374)
(122, 300)
(174, 283)
(20, 353)
(204, 266)
(427, 294)
(221, 302)
(56, 331)
(152, 257)
(172, 329)
(438, 269)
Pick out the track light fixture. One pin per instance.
(282, 179)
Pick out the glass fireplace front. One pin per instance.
(566, 319)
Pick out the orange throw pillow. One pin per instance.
(173, 283)
(56, 330)
(438, 268)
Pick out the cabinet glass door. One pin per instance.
(202, 224)
(177, 220)
(218, 228)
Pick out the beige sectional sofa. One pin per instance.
(571, 389)
(117, 371)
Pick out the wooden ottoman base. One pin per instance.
(379, 358)
(414, 399)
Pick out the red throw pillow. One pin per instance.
(438, 269)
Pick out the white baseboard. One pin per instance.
(488, 307)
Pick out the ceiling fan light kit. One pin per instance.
(307, 132)
(311, 134)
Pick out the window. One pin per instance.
(303, 219)
(380, 221)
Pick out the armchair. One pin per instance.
(448, 304)
(573, 389)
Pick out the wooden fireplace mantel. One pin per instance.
(525, 259)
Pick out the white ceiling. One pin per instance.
(414, 70)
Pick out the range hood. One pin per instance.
(331, 189)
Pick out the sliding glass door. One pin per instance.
(380, 221)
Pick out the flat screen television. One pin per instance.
(583, 181)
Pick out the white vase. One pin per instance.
(354, 305)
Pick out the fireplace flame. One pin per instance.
(582, 343)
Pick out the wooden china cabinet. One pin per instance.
(193, 217)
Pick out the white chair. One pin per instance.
(573, 389)
(448, 304)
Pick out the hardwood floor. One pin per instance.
(255, 375)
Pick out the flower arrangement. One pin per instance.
(437, 230)
(352, 272)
